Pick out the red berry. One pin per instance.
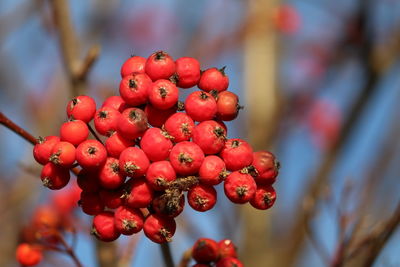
(186, 158)
(43, 149)
(91, 203)
(134, 64)
(229, 262)
(159, 174)
(91, 154)
(227, 249)
(74, 132)
(132, 123)
(115, 102)
(212, 171)
(187, 72)
(139, 193)
(109, 176)
(163, 94)
(133, 162)
(63, 154)
(205, 250)
(128, 221)
(227, 106)
(201, 106)
(180, 126)
(112, 198)
(106, 120)
(160, 65)
(202, 197)
(88, 181)
(214, 79)
(210, 136)
(159, 229)
(157, 117)
(81, 108)
(134, 89)
(54, 177)
(104, 227)
(264, 197)
(156, 144)
(239, 187)
(115, 144)
(169, 204)
(237, 154)
(267, 167)
(28, 255)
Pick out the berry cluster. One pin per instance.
(164, 146)
(207, 252)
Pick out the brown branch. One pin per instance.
(87, 63)
(166, 252)
(128, 252)
(16, 129)
(94, 133)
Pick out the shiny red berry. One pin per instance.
(128, 221)
(202, 197)
(205, 250)
(267, 167)
(115, 102)
(157, 117)
(237, 154)
(132, 123)
(212, 171)
(44, 147)
(74, 132)
(91, 203)
(160, 65)
(104, 227)
(214, 79)
(229, 262)
(134, 64)
(163, 94)
(210, 136)
(159, 174)
(186, 158)
(133, 162)
(106, 120)
(91, 154)
(180, 126)
(109, 175)
(81, 108)
(156, 144)
(239, 187)
(112, 198)
(159, 229)
(264, 197)
(54, 177)
(139, 195)
(227, 106)
(28, 255)
(115, 144)
(201, 106)
(187, 72)
(134, 89)
(63, 154)
(227, 249)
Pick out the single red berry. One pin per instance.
(210, 136)
(187, 72)
(43, 148)
(205, 250)
(200, 106)
(46, 217)
(156, 144)
(74, 132)
(202, 197)
(128, 221)
(227, 249)
(109, 176)
(212, 171)
(229, 262)
(54, 177)
(159, 174)
(214, 79)
(91, 154)
(63, 154)
(104, 227)
(239, 187)
(112, 199)
(115, 102)
(160, 65)
(227, 106)
(159, 229)
(91, 203)
(115, 144)
(134, 64)
(106, 120)
(81, 108)
(267, 167)
(88, 180)
(134, 89)
(180, 126)
(237, 154)
(157, 117)
(28, 255)
(133, 162)
(264, 197)
(132, 123)
(186, 158)
(169, 204)
(139, 193)
(163, 94)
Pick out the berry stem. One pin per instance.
(70, 251)
(16, 129)
(186, 257)
(94, 134)
(166, 252)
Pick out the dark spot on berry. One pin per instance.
(92, 150)
(163, 92)
(132, 83)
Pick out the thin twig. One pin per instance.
(94, 133)
(187, 255)
(17, 129)
(166, 252)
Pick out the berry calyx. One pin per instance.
(159, 229)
